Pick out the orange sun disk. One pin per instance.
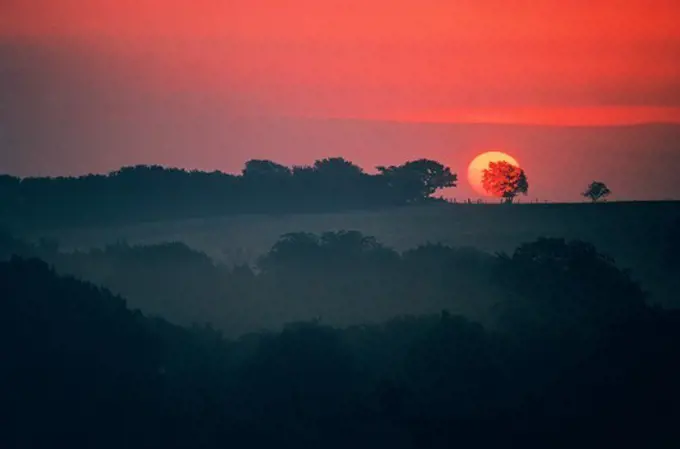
(480, 163)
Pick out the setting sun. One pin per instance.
(480, 163)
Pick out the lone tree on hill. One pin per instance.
(504, 180)
(596, 191)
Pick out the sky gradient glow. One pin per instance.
(86, 85)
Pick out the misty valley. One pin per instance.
(336, 339)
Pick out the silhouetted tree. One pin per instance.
(337, 168)
(331, 251)
(504, 180)
(596, 191)
(262, 168)
(339, 182)
(417, 180)
(568, 286)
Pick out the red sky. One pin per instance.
(115, 74)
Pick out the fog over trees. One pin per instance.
(574, 357)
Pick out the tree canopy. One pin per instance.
(143, 193)
(87, 371)
(596, 191)
(504, 180)
(417, 180)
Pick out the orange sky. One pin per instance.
(113, 75)
(549, 61)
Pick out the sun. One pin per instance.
(480, 163)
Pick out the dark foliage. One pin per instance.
(671, 247)
(147, 193)
(344, 277)
(417, 180)
(74, 360)
(568, 287)
(340, 277)
(596, 191)
(82, 370)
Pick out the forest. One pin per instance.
(570, 353)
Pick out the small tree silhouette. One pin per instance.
(596, 191)
(504, 180)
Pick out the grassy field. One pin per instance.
(631, 232)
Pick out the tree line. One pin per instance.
(340, 278)
(153, 192)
